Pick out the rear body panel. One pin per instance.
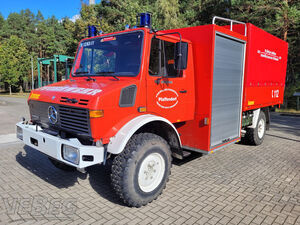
(265, 69)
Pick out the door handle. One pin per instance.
(157, 81)
(183, 91)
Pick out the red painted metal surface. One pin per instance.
(264, 78)
(265, 68)
(196, 133)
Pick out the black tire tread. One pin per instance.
(251, 136)
(120, 164)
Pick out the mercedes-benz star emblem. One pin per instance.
(52, 114)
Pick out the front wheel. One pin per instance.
(141, 171)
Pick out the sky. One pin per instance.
(58, 8)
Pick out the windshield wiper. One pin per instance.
(90, 78)
(87, 75)
(81, 72)
(107, 74)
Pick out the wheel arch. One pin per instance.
(145, 123)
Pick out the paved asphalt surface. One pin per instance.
(11, 111)
(237, 185)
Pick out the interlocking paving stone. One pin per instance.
(239, 184)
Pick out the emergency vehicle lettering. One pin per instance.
(269, 55)
(167, 98)
(86, 91)
(275, 93)
(87, 43)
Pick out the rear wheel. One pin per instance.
(62, 166)
(141, 171)
(255, 136)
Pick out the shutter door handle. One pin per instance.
(183, 91)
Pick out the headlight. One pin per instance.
(19, 133)
(70, 154)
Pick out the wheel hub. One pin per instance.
(151, 172)
(261, 128)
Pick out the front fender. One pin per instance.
(119, 141)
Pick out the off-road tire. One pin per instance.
(251, 136)
(126, 168)
(62, 166)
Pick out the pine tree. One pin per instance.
(282, 19)
(14, 62)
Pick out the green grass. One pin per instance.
(18, 95)
(291, 111)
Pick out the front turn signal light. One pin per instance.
(142, 109)
(96, 113)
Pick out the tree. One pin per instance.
(116, 14)
(1, 21)
(14, 62)
(45, 37)
(282, 19)
(166, 14)
(201, 12)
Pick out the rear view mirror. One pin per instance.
(181, 53)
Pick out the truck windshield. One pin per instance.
(118, 55)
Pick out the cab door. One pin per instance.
(170, 92)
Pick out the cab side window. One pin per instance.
(155, 57)
(162, 55)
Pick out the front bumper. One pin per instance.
(52, 146)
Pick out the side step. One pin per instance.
(180, 154)
(186, 154)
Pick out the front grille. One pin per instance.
(74, 119)
(83, 101)
(74, 101)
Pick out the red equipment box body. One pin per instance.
(265, 69)
(263, 58)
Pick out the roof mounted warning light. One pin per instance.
(144, 20)
(92, 31)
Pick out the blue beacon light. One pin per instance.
(145, 20)
(92, 30)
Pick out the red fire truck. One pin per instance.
(139, 97)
